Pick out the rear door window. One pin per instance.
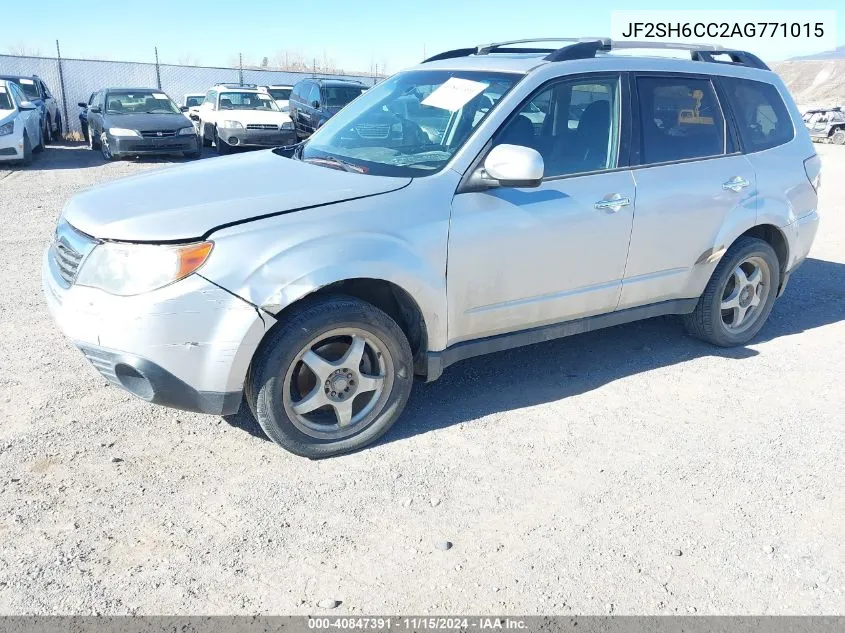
(680, 119)
(761, 114)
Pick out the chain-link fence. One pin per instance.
(73, 80)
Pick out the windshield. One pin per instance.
(194, 101)
(410, 124)
(247, 101)
(139, 101)
(28, 87)
(280, 94)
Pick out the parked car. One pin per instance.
(826, 125)
(242, 116)
(20, 125)
(36, 92)
(83, 114)
(192, 104)
(315, 101)
(318, 287)
(139, 121)
(280, 94)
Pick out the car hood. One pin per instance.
(253, 116)
(150, 122)
(190, 201)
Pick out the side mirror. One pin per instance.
(508, 166)
(82, 104)
(183, 108)
(27, 105)
(315, 105)
(95, 109)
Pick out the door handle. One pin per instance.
(612, 203)
(735, 184)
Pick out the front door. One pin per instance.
(523, 258)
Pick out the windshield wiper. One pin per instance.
(336, 163)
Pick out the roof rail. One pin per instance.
(586, 48)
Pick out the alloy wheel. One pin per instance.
(338, 383)
(746, 291)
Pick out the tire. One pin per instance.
(221, 146)
(708, 321)
(326, 328)
(27, 151)
(205, 141)
(93, 143)
(838, 137)
(47, 132)
(60, 132)
(108, 155)
(85, 136)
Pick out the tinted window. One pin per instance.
(574, 124)
(211, 97)
(193, 101)
(5, 99)
(761, 114)
(28, 87)
(339, 96)
(45, 90)
(313, 94)
(680, 119)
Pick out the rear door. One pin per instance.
(692, 182)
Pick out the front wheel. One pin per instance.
(332, 379)
(108, 154)
(26, 159)
(739, 296)
(220, 145)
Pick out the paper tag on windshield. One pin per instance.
(2, 89)
(264, 97)
(28, 82)
(159, 95)
(454, 94)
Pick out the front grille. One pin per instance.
(262, 126)
(373, 130)
(67, 259)
(69, 249)
(158, 133)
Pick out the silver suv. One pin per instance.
(490, 197)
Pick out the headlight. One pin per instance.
(287, 125)
(188, 130)
(7, 128)
(232, 124)
(130, 269)
(119, 131)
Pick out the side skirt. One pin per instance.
(436, 362)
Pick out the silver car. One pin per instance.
(488, 198)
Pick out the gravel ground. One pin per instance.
(633, 470)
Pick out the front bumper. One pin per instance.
(11, 147)
(153, 145)
(256, 138)
(187, 345)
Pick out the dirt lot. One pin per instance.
(633, 470)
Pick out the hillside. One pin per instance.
(817, 82)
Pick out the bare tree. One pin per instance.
(24, 50)
(188, 59)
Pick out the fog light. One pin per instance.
(134, 381)
(233, 140)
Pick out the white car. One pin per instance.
(243, 116)
(193, 102)
(20, 125)
(280, 94)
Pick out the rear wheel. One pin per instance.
(47, 132)
(838, 137)
(332, 379)
(739, 297)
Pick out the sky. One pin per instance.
(355, 35)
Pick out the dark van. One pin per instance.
(315, 101)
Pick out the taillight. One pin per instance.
(813, 169)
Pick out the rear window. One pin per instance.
(761, 114)
(680, 119)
